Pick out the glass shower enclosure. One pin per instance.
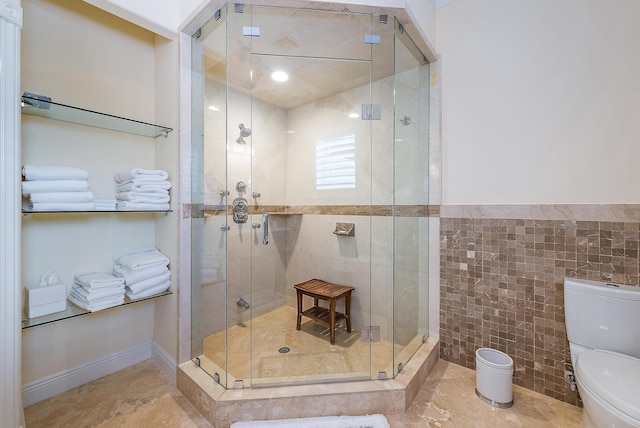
(309, 161)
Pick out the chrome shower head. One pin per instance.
(406, 120)
(244, 132)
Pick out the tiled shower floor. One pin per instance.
(254, 351)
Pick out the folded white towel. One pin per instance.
(98, 279)
(145, 174)
(97, 306)
(143, 186)
(144, 197)
(142, 259)
(139, 206)
(54, 172)
(140, 286)
(61, 197)
(99, 289)
(39, 186)
(150, 291)
(96, 296)
(105, 204)
(103, 201)
(63, 206)
(133, 276)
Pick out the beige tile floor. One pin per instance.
(140, 396)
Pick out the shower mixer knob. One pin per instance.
(240, 216)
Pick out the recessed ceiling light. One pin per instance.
(354, 115)
(279, 76)
(213, 108)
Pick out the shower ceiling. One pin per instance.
(318, 67)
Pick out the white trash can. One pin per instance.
(494, 377)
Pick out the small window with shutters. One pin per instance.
(336, 163)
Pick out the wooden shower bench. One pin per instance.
(323, 290)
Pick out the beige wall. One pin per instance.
(540, 100)
(425, 17)
(167, 157)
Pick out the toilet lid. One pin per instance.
(613, 377)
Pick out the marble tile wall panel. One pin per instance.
(501, 286)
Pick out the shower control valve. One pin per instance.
(239, 209)
(255, 195)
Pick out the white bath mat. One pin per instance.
(368, 421)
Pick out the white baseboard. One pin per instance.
(167, 364)
(65, 380)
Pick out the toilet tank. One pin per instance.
(602, 315)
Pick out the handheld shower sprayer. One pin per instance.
(244, 132)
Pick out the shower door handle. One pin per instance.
(265, 229)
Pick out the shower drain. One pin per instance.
(284, 350)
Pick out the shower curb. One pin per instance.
(221, 407)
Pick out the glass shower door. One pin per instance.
(411, 198)
(209, 197)
(310, 70)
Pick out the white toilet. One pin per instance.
(603, 327)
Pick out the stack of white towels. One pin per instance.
(142, 189)
(96, 291)
(57, 188)
(145, 272)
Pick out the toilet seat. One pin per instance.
(613, 378)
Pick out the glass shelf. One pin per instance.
(29, 212)
(38, 105)
(76, 311)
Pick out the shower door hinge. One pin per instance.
(251, 31)
(371, 39)
(371, 112)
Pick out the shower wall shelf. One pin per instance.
(73, 311)
(39, 105)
